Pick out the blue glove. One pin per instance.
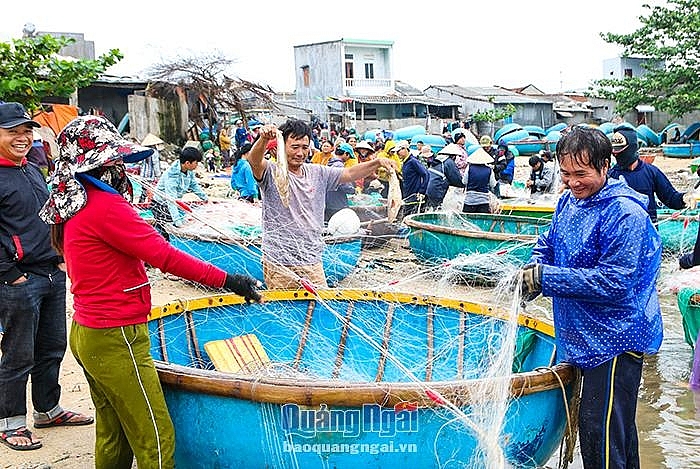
(531, 286)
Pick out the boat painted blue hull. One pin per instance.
(681, 150)
(405, 133)
(650, 137)
(250, 440)
(436, 142)
(339, 257)
(526, 148)
(358, 420)
(507, 129)
(436, 237)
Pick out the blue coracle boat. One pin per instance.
(229, 233)
(681, 150)
(340, 256)
(436, 236)
(328, 382)
(436, 142)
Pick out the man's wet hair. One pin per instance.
(295, 128)
(190, 154)
(579, 142)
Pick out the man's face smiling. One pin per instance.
(582, 178)
(16, 142)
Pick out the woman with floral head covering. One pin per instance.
(105, 244)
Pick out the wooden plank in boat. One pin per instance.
(242, 354)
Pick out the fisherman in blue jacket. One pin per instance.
(442, 174)
(644, 178)
(599, 262)
(414, 179)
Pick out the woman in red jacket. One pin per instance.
(105, 244)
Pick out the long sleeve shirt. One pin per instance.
(174, 183)
(105, 246)
(647, 179)
(600, 261)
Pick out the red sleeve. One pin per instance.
(127, 232)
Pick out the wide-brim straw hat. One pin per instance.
(480, 156)
(151, 140)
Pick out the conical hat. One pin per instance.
(480, 156)
(151, 140)
(451, 149)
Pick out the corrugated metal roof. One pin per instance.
(397, 99)
(492, 94)
(406, 90)
(115, 80)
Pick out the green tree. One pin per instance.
(669, 34)
(491, 116)
(31, 69)
(494, 115)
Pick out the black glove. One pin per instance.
(531, 286)
(686, 261)
(244, 286)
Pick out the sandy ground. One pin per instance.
(72, 447)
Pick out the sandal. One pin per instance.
(19, 433)
(65, 419)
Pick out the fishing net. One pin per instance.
(445, 328)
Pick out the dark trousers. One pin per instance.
(479, 208)
(433, 204)
(33, 317)
(411, 205)
(607, 427)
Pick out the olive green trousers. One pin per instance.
(130, 412)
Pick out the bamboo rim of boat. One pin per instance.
(411, 222)
(526, 208)
(279, 390)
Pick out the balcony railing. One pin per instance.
(368, 83)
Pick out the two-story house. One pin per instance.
(350, 82)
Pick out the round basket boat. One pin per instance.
(354, 378)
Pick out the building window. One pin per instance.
(306, 76)
(628, 73)
(369, 71)
(349, 70)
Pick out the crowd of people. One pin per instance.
(424, 174)
(599, 261)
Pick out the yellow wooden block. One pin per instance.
(242, 354)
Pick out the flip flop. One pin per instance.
(64, 420)
(25, 433)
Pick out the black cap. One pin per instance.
(13, 115)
